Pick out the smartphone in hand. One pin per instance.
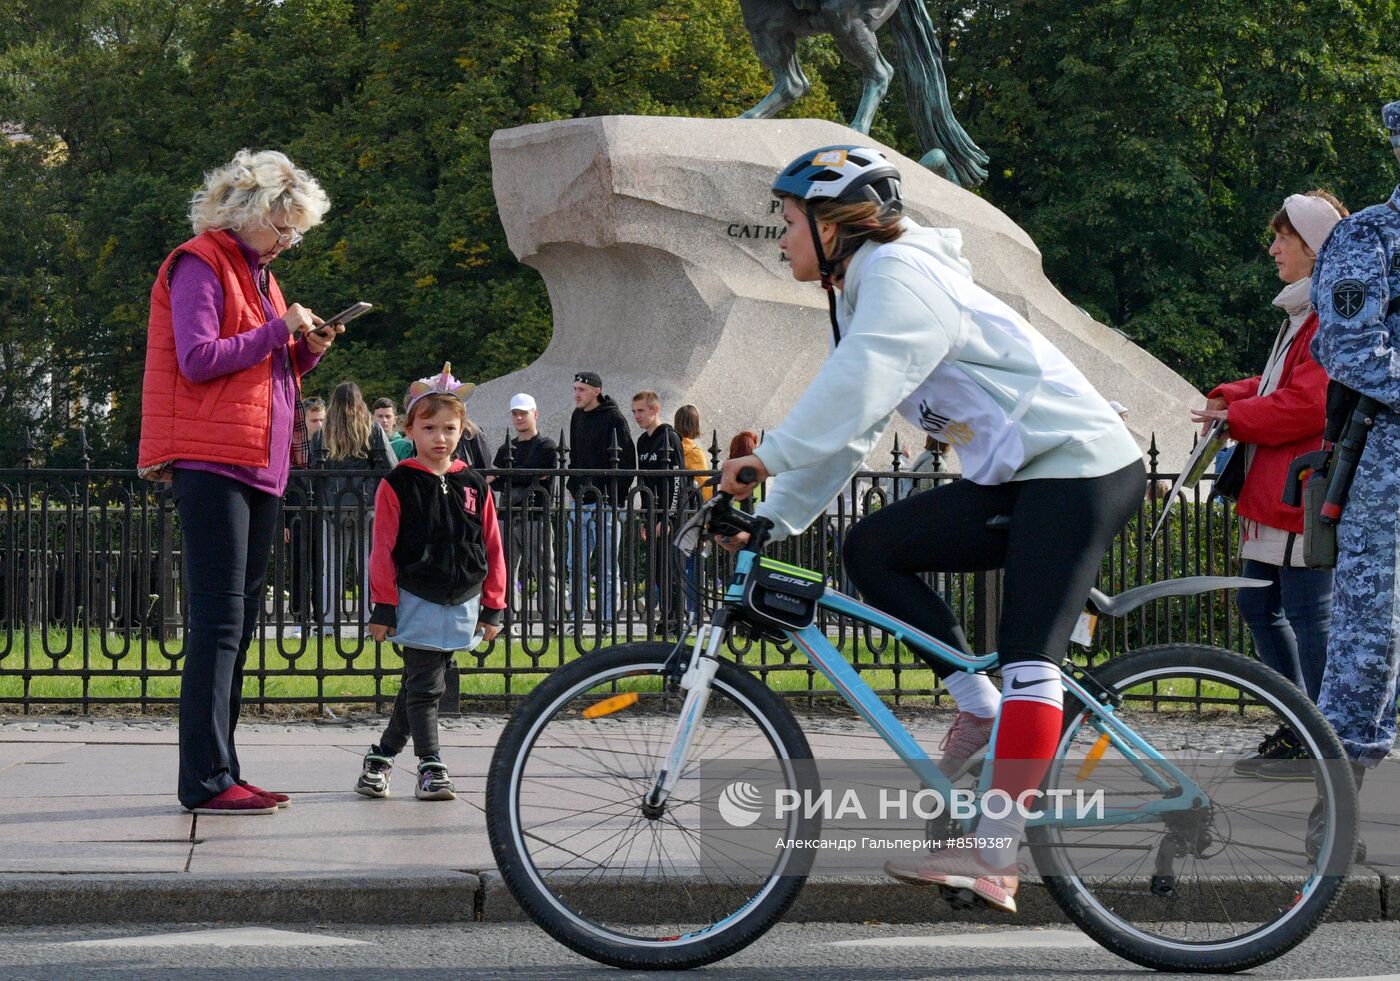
(343, 318)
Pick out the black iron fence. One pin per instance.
(93, 613)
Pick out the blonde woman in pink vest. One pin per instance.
(224, 360)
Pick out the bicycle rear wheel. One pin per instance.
(580, 854)
(1241, 887)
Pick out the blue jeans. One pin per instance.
(594, 529)
(1289, 620)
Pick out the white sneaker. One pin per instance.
(434, 783)
(374, 775)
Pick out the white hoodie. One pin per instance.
(919, 336)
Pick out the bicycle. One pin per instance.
(597, 841)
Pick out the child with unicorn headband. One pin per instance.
(473, 450)
(437, 573)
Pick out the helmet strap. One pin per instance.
(828, 271)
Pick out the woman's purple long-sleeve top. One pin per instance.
(197, 310)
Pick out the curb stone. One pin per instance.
(860, 899)
(49, 900)
(463, 897)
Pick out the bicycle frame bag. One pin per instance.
(779, 596)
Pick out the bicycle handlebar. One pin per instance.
(727, 519)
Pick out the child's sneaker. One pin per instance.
(433, 782)
(374, 778)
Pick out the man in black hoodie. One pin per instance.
(659, 448)
(599, 440)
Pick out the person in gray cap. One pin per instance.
(1356, 292)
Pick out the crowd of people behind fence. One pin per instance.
(328, 518)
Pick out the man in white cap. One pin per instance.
(525, 506)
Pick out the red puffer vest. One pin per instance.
(226, 419)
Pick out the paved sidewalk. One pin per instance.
(90, 831)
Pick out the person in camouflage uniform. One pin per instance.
(1356, 292)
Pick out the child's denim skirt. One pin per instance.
(435, 627)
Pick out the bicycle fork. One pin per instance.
(699, 674)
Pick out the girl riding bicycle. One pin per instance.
(913, 333)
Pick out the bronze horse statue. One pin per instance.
(777, 25)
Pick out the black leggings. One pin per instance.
(227, 530)
(416, 705)
(1052, 553)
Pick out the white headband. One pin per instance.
(1313, 218)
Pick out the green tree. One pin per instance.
(35, 309)
(1145, 145)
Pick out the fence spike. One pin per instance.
(714, 449)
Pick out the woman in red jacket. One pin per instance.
(1276, 416)
(224, 360)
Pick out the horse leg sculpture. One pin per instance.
(854, 34)
(776, 46)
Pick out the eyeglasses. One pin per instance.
(292, 236)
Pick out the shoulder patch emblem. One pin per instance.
(1348, 297)
(1395, 262)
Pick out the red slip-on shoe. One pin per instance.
(235, 801)
(282, 800)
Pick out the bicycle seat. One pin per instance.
(1126, 602)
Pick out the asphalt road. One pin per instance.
(831, 952)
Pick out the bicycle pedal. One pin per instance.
(959, 899)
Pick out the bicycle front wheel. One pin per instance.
(585, 859)
(1234, 881)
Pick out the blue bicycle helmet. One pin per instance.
(848, 174)
(842, 173)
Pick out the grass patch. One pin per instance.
(63, 666)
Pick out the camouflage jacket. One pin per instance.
(1355, 282)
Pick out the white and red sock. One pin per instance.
(1027, 732)
(974, 693)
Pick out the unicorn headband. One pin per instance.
(442, 383)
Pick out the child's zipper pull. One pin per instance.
(443, 481)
